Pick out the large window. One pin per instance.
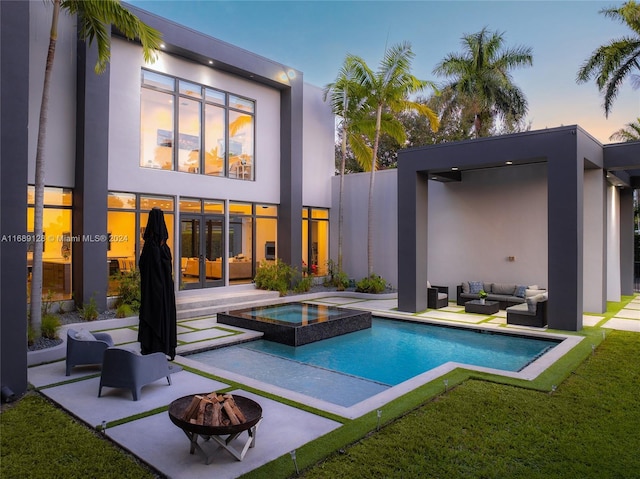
(57, 236)
(195, 129)
(126, 221)
(315, 240)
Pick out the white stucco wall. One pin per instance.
(318, 153)
(613, 244)
(61, 124)
(125, 174)
(474, 226)
(594, 245)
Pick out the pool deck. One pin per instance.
(158, 442)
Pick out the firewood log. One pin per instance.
(239, 414)
(216, 419)
(192, 409)
(201, 408)
(232, 415)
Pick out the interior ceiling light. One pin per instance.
(163, 46)
(210, 62)
(508, 162)
(455, 168)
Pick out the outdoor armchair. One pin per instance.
(84, 347)
(123, 368)
(437, 297)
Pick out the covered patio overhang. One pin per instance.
(567, 152)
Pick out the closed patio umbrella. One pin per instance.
(157, 328)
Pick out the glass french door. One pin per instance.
(201, 251)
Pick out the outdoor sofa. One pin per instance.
(507, 294)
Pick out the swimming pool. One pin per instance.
(347, 369)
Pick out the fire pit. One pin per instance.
(252, 413)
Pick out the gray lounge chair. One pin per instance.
(437, 297)
(123, 368)
(84, 347)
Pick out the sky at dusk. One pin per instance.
(315, 36)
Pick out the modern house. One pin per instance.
(239, 154)
(235, 149)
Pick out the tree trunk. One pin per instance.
(36, 275)
(340, 207)
(374, 161)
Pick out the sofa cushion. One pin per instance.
(475, 287)
(532, 292)
(522, 308)
(487, 287)
(532, 301)
(84, 335)
(443, 295)
(501, 288)
(520, 291)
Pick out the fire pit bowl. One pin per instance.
(250, 408)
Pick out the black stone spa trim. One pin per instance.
(298, 335)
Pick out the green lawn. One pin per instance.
(588, 428)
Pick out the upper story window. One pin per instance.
(195, 129)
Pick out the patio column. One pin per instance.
(413, 195)
(90, 270)
(14, 152)
(626, 242)
(565, 233)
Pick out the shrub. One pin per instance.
(274, 276)
(337, 277)
(50, 325)
(89, 311)
(303, 285)
(47, 302)
(372, 284)
(31, 334)
(129, 289)
(124, 311)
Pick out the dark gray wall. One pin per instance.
(626, 242)
(413, 228)
(90, 270)
(14, 150)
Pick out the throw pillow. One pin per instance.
(465, 287)
(84, 335)
(475, 287)
(520, 291)
(428, 284)
(533, 286)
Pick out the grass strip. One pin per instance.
(38, 440)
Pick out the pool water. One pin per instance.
(350, 368)
(296, 313)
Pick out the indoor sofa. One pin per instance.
(507, 294)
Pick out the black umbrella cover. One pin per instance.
(157, 328)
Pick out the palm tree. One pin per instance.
(346, 97)
(95, 18)
(631, 132)
(480, 81)
(388, 93)
(611, 63)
